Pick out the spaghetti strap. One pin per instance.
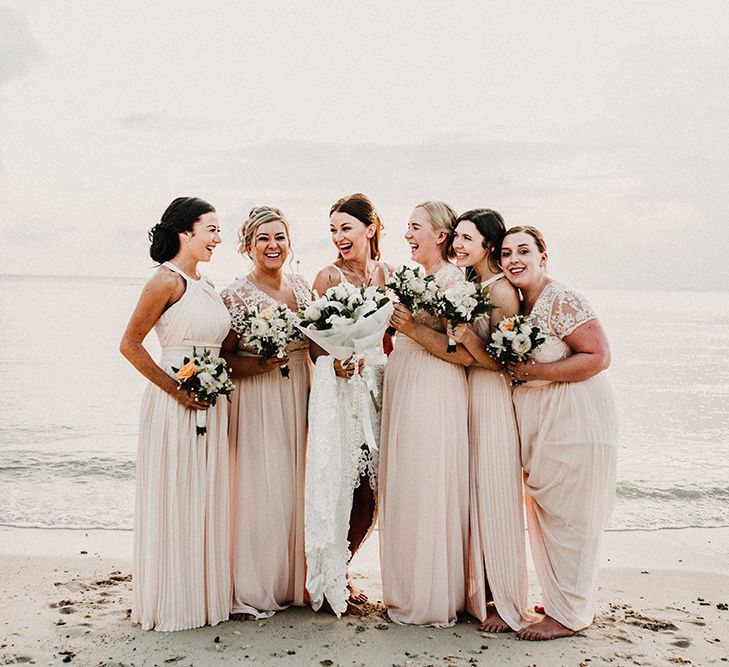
(342, 277)
(492, 280)
(386, 273)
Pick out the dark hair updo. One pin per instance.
(490, 224)
(179, 217)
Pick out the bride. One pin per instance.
(344, 424)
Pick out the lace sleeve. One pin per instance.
(569, 311)
(237, 299)
(301, 289)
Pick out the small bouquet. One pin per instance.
(205, 376)
(463, 302)
(414, 290)
(267, 330)
(514, 340)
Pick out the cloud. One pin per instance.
(18, 48)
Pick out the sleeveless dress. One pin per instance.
(497, 545)
(568, 445)
(344, 429)
(181, 569)
(267, 434)
(424, 480)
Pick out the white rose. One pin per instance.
(206, 380)
(313, 311)
(278, 323)
(223, 378)
(259, 327)
(526, 329)
(417, 285)
(339, 292)
(521, 344)
(338, 321)
(509, 334)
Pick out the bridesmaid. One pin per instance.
(497, 547)
(267, 431)
(355, 229)
(424, 459)
(181, 531)
(568, 426)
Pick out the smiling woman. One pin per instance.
(267, 427)
(182, 475)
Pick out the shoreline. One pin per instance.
(661, 601)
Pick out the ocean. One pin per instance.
(68, 421)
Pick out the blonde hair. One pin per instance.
(442, 219)
(258, 216)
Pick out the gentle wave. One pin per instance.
(634, 491)
(41, 466)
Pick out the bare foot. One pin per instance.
(547, 628)
(494, 622)
(355, 610)
(356, 596)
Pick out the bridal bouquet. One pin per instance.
(514, 341)
(413, 289)
(461, 303)
(267, 330)
(205, 376)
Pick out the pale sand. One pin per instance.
(662, 598)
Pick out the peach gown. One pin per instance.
(423, 492)
(568, 443)
(181, 573)
(497, 545)
(267, 434)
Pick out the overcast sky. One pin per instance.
(604, 124)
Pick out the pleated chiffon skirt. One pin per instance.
(268, 447)
(423, 487)
(569, 441)
(181, 538)
(497, 543)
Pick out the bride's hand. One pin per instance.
(345, 369)
(402, 319)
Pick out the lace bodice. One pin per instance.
(445, 276)
(244, 294)
(558, 312)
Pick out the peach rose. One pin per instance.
(187, 371)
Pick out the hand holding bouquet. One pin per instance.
(462, 303)
(514, 340)
(414, 290)
(205, 376)
(267, 330)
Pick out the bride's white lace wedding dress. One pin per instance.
(342, 450)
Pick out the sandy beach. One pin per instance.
(66, 596)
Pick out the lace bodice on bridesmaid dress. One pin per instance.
(558, 312)
(445, 276)
(244, 294)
